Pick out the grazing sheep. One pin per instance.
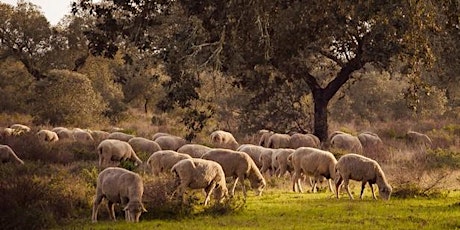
(65, 134)
(418, 139)
(170, 142)
(82, 136)
(57, 129)
(278, 140)
(47, 135)
(157, 135)
(266, 160)
(7, 155)
(346, 142)
(312, 162)
(163, 160)
(99, 135)
(238, 165)
(370, 141)
(360, 168)
(265, 137)
(145, 145)
(254, 151)
(223, 139)
(120, 136)
(116, 150)
(20, 128)
(119, 186)
(304, 140)
(280, 163)
(200, 174)
(194, 150)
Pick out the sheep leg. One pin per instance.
(234, 186)
(330, 185)
(208, 191)
(338, 184)
(347, 187)
(242, 185)
(96, 204)
(363, 184)
(111, 209)
(372, 190)
(296, 182)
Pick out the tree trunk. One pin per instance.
(320, 117)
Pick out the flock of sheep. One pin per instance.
(197, 166)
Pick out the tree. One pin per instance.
(67, 98)
(291, 42)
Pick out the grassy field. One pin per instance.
(279, 209)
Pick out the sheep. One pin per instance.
(278, 140)
(116, 150)
(119, 186)
(347, 142)
(266, 160)
(265, 137)
(240, 166)
(280, 163)
(47, 135)
(6, 132)
(418, 138)
(371, 142)
(304, 140)
(162, 161)
(360, 168)
(312, 162)
(82, 136)
(65, 134)
(254, 151)
(145, 145)
(197, 173)
(223, 139)
(194, 150)
(120, 136)
(7, 155)
(99, 135)
(170, 142)
(160, 134)
(20, 128)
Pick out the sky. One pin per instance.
(54, 10)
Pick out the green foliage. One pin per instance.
(413, 190)
(67, 98)
(15, 87)
(443, 158)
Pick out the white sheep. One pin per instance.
(8, 155)
(170, 142)
(304, 140)
(254, 151)
(120, 136)
(64, 134)
(159, 134)
(360, 168)
(82, 136)
(278, 140)
(346, 142)
(194, 150)
(223, 139)
(240, 166)
(145, 145)
(370, 142)
(6, 132)
(162, 161)
(280, 162)
(47, 135)
(20, 128)
(99, 135)
(266, 160)
(418, 139)
(116, 150)
(197, 173)
(265, 137)
(119, 186)
(312, 162)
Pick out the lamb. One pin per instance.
(120, 136)
(47, 135)
(280, 163)
(145, 145)
(312, 162)
(346, 142)
(119, 186)
(254, 151)
(223, 139)
(418, 138)
(240, 166)
(197, 173)
(162, 161)
(116, 150)
(265, 137)
(170, 142)
(83, 136)
(278, 140)
(8, 155)
(304, 140)
(194, 150)
(360, 168)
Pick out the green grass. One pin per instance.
(279, 209)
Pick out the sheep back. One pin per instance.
(120, 136)
(346, 142)
(278, 140)
(47, 135)
(163, 160)
(141, 144)
(170, 142)
(194, 150)
(116, 150)
(223, 139)
(8, 155)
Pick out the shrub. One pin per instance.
(443, 158)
